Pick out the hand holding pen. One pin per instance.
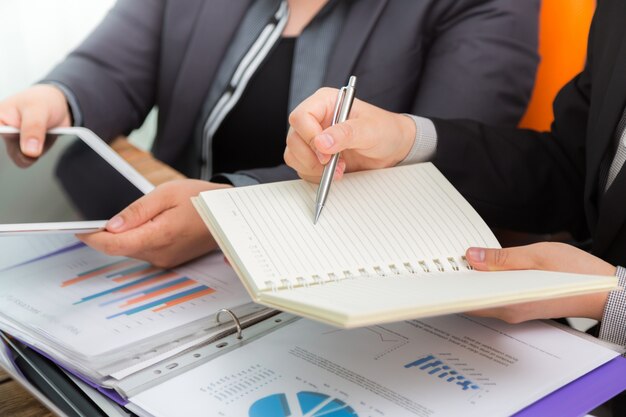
(345, 98)
(371, 138)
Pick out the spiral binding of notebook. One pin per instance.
(447, 264)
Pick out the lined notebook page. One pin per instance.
(376, 222)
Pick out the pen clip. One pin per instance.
(339, 104)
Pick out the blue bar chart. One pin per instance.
(142, 287)
(95, 303)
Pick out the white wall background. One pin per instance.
(35, 35)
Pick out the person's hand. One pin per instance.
(547, 257)
(371, 138)
(161, 227)
(34, 111)
(12, 145)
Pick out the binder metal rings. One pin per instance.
(235, 319)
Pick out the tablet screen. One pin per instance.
(69, 182)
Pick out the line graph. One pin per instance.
(379, 339)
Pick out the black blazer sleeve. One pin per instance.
(481, 62)
(522, 179)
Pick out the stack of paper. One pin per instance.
(147, 339)
(108, 317)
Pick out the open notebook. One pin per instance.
(388, 247)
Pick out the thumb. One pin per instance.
(485, 259)
(139, 212)
(33, 129)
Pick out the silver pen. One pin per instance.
(345, 98)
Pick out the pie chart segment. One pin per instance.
(311, 404)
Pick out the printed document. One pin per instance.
(445, 366)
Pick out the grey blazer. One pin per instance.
(471, 59)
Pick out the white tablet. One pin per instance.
(75, 186)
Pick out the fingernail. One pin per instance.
(325, 140)
(340, 169)
(32, 146)
(476, 254)
(320, 156)
(115, 223)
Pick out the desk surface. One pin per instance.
(15, 401)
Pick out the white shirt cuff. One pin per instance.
(425, 144)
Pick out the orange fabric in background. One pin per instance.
(563, 29)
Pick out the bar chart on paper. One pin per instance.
(139, 287)
(80, 293)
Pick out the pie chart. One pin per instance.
(309, 404)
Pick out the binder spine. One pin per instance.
(418, 268)
(221, 344)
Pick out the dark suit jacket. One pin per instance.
(545, 182)
(446, 58)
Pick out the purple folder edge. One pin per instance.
(582, 395)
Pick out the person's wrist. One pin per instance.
(596, 305)
(60, 105)
(408, 133)
(598, 301)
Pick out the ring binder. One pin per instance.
(219, 345)
(235, 319)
